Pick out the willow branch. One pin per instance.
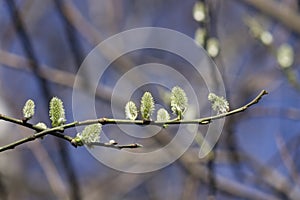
(58, 131)
(201, 121)
(28, 139)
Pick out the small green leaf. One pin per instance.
(131, 110)
(28, 109)
(219, 104)
(179, 101)
(57, 112)
(147, 106)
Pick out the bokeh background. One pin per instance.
(43, 43)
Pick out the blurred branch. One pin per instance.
(26, 42)
(264, 175)
(278, 11)
(284, 54)
(49, 73)
(87, 30)
(207, 27)
(191, 185)
(122, 184)
(272, 177)
(71, 33)
(3, 188)
(194, 167)
(287, 160)
(93, 36)
(55, 180)
(29, 51)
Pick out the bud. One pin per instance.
(213, 47)
(179, 101)
(112, 142)
(266, 38)
(199, 11)
(28, 109)
(90, 134)
(131, 110)
(200, 35)
(147, 106)
(285, 56)
(219, 104)
(41, 125)
(57, 112)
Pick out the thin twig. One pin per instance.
(57, 131)
(28, 139)
(116, 145)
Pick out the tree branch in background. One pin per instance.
(287, 160)
(278, 11)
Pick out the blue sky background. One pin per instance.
(246, 65)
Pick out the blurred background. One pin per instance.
(255, 45)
